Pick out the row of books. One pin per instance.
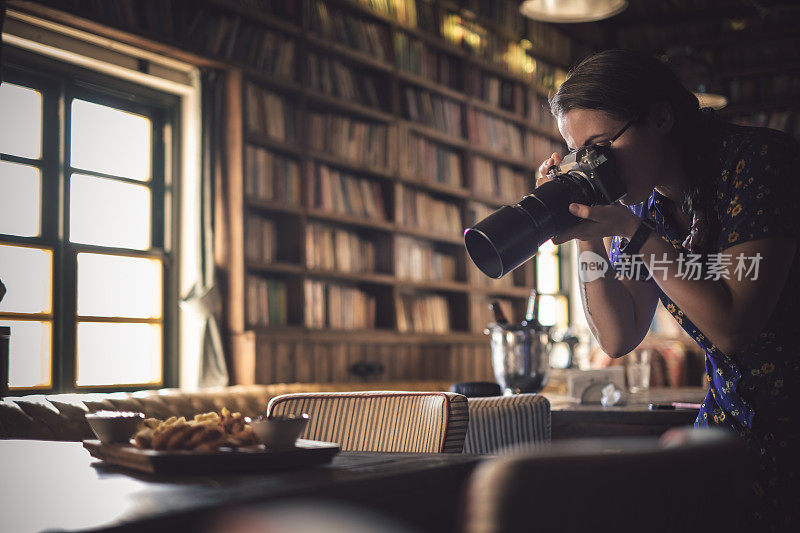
(764, 88)
(265, 301)
(336, 191)
(547, 76)
(335, 306)
(463, 32)
(269, 176)
(333, 77)
(269, 114)
(422, 313)
(233, 38)
(157, 17)
(498, 134)
(477, 211)
(738, 55)
(482, 315)
(357, 141)
(433, 110)
(421, 210)
(479, 278)
(653, 36)
(228, 34)
(539, 113)
(354, 32)
(788, 121)
(503, 13)
(549, 40)
(260, 243)
(329, 248)
(425, 160)
(286, 9)
(411, 13)
(420, 261)
(501, 92)
(499, 181)
(543, 147)
(211, 30)
(414, 56)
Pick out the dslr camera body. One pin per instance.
(511, 235)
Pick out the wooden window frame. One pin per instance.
(59, 83)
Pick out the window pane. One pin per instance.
(27, 274)
(553, 311)
(21, 127)
(20, 199)
(29, 353)
(118, 354)
(547, 273)
(110, 141)
(548, 247)
(111, 285)
(107, 212)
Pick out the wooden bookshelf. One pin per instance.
(753, 53)
(369, 180)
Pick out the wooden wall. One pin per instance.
(272, 359)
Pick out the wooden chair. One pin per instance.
(381, 421)
(618, 485)
(507, 424)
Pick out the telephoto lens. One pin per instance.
(511, 235)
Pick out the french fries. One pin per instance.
(206, 432)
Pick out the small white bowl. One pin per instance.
(279, 431)
(114, 426)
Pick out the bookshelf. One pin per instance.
(753, 53)
(363, 136)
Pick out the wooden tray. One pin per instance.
(186, 462)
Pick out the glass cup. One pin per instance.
(638, 370)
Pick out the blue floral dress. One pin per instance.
(756, 390)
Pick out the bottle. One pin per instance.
(499, 316)
(530, 313)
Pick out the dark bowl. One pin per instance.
(279, 431)
(114, 426)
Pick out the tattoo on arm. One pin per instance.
(585, 300)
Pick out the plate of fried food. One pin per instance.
(206, 432)
(209, 442)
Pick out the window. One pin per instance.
(553, 303)
(85, 198)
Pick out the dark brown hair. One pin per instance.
(626, 84)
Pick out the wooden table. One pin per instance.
(571, 420)
(59, 486)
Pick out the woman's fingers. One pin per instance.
(583, 231)
(582, 211)
(554, 159)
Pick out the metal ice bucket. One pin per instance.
(520, 357)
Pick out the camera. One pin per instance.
(511, 235)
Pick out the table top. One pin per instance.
(58, 485)
(633, 401)
(570, 419)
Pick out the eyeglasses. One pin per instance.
(611, 140)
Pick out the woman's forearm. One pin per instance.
(610, 307)
(708, 303)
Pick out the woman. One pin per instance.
(699, 191)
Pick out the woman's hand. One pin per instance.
(555, 159)
(599, 221)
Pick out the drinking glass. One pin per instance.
(638, 370)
